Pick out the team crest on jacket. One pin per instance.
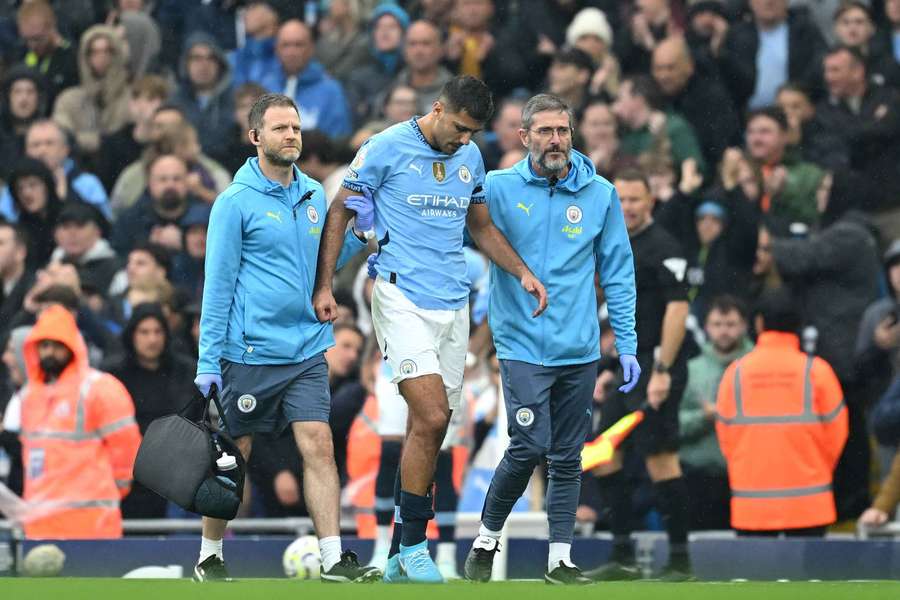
(312, 214)
(439, 171)
(408, 367)
(524, 417)
(464, 175)
(573, 214)
(246, 403)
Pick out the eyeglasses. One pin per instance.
(546, 132)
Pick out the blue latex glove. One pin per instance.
(370, 265)
(364, 208)
(204, 381)
(631, 372)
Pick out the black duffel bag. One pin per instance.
(177, 460)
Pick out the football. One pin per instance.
(46, 560)
(301, 559)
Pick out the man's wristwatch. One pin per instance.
(660, 367)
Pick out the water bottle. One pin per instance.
(227, 467)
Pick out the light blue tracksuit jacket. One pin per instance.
(563, 233)
(261, 253)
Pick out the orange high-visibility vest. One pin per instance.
(781, 423)
(79, 440)
(363, 455)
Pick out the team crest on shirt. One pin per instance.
(524, 417)
(312, 214)
(573, 214)
(360, 158)
(246, 403)
(439, 171)
(408, 367)
(464, 175)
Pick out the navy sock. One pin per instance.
(415, 511)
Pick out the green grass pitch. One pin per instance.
(278, 589)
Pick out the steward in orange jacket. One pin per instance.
(781, 425)
(79, 436)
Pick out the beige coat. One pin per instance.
(97, 107)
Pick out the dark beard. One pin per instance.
(52, 367)
(276, 159)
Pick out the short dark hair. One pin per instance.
(249, 89)
(264, 103)
(59, 294)
(172, 107)
(345, 326)
(770, 112)
(317, 144)
(727, 303)
(855, 53)
(469, 94)
(632, 174)
(575, 57)
(794, 86)
(647, 88)
(159, 254)
(20, 238)
(779, 311)
(847, 5)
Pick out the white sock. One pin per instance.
(209, 547)
(446, 552)
(382, 538)
(330, 548)
(484, 531)
(559, 552)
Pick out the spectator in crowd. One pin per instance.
(143, 42)
(320, 98)
(877, 354)
(703, 101)
(706, 28)
(347, 393)
(423, 54)
(704, 466)
(80, 237)
(14, 361)
(504, 134)
(146, 263)
(886, 38)
(866, 119)
(646, 128)
(855, 28)
(47, 142)
(188, 265)
(781, 424)
(834, 272)
(34, 199)
(15, 277)
(85, 469)
(159, 381)
(23, 100)
(590, 32)
(569, 76)
(234, 153)
(650, 22)
(807, 139)
(99, 105)
(206, 178)
(204, 93)
(320, 161)
(476, 48)
(46, 50)
(155, 216)
(399, 105)
(342, 47)
(600, 137)
(775, 46)
(385, 59)
(124, 146)
(789, 185)
(256, 58)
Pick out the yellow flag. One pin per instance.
(601, 450)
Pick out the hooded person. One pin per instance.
(99, 105)
(79, 436)
(81, 235)
(33, 191)
(204, 92)
(23, 99)
(160, 382)
(143, 39)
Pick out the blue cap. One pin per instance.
(710, 208)
(389, 8)
(197, 214)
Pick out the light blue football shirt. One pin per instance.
(421, 197)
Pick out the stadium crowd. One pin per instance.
(767, 133)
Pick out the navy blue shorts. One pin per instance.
(268, 398)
